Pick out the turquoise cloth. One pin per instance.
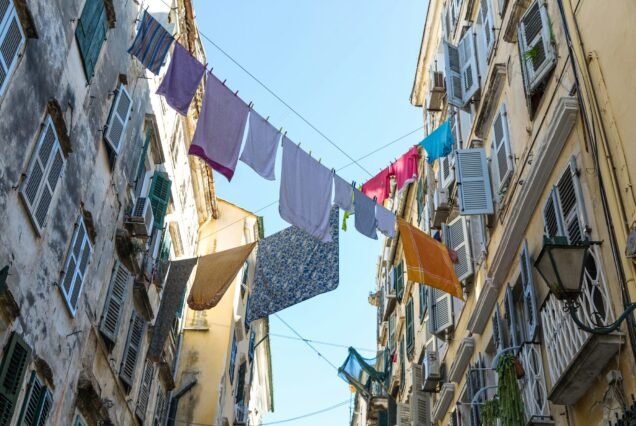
(439, 143)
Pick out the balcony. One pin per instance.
(533, 387)
(575, 357)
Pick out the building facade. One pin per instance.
(97, 195)
(225, 362)
(537, 100)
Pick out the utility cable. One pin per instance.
(324, 410)
(306, 342)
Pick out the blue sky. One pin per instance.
(348, 67)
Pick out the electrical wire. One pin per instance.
(304, 416)
(306, 342)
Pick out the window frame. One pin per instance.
(80, 227)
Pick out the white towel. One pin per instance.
(305, 192)
(261, 146)
(342, 194)
(386, 221)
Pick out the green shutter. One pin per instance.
(398, 270)
(410, 331)
(37, 403)
(91, 33)
(14, 364)
(160, 197)
(423, 302)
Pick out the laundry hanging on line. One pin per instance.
(291, 267)
(220, 128)
(365, 222)
(385, 220)
(439, 143)
(378, 187)
(261, 146)
(342, 193)
(151, 43)
(182, 79)
(405, 169)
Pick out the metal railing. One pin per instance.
(532, 385)
(563, 339)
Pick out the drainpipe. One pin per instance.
(616, 255)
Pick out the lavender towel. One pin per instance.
(305, 192)
(217, 139)
(385, 220)
(365, 214)
(182, 79)
(342, 194)
(261, 146)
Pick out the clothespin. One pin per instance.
(224, 81)
(267, 119)
(250, 105)
(236, 93)
(353, 183)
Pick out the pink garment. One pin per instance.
(378, 186)
(405, 168)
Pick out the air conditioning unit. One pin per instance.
(141, 218)
(435, 95)
(431, 369)
(441, 206)
(239, 330)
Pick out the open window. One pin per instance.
(12, 39)
(538, 55)
(462, 76)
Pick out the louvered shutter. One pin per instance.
(410, 330)
(516, 338)
(537, 52)
(144, 390)
(132, 349)
(118, 119)
(120, 282)
(553, 225)
(571, 204)
(446, 171)
(502, 152)
(91, 34)
(478, 239)
(77, 261)
(398, 271)
(423, 303)
(457, 238)
(473, 180)
(37, 403)
(473, 387)
(453, 75)
(469, 70)
(15, 359)
(498, 331)
(391, 343)
(487, 21)
(232, 359)
(420, 409)
(159, 407)
(11, 42)
(43, 174)
(530, 299)
(403, 414)
(441, 311)
(160, 197)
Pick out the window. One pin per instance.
(531, 312)
(15, 359)
(160, 197)
(402, 365)
(423, 302)
(499, 334)
(91, 34)
(160, 407)
(144, 391)
(398, 272)
(457, 238)
(11, 41)
(500, 151)
(77, 260)
(240, 385)
(244, 277)
(391, 343)
(410, 329)
(43, 174)
(488, 26)
(115, 132)
(37, 403)
(440, 312)
(538, 55)
(132, 349)
(251, 347)
(473, 180)
(120, 281)
(79, 420)
(232, 359)
(421, 197)
(462, 78)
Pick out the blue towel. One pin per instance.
(365, 215)
(151, 43)
(439, 143)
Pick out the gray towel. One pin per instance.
(365, 214)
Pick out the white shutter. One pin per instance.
(44, 172)
(571, 204)
(446, 170)
(478, 238)
(75, 266)
(118, 119)
(441, 311)
(516, 339)
(529, 297)
(457, 238)
(453, 75)
(11, 42)
(537, 52)
(132, 349)
(144, 390)
(553, 223)
(488, 25)
(421, 409)
(120, 282)
(403, 415)
(473, 180)
(469, 70)
(502, 152)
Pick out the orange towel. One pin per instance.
(428, 261)
(214, 275)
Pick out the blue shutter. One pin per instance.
(91, 33)
(530, 299)
(475, 195)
